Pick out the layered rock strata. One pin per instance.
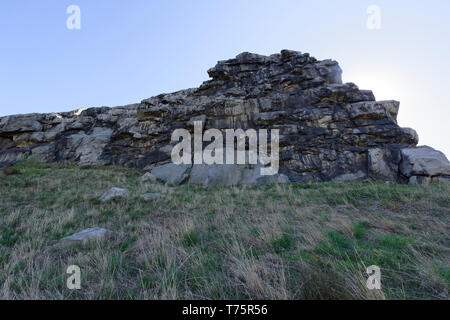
(329, 130)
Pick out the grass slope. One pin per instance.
(296, 241)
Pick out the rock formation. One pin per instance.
(329, 131)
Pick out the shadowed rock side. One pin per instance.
(329, 131)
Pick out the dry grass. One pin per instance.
(297, 241)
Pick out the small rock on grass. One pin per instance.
(86, 236)
(114, 193)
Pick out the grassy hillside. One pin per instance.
(297, 241)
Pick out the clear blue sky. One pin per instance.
(130, 50)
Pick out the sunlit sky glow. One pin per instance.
(127, 51)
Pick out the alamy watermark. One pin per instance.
(374, 19)
(374, 279)
(74, 280)
(73, 22)
(217, 153)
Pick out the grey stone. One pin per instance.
(424, 161)
(373, 110)
(172, 173)
(42, 152)
(232, 174)
(148, 177)
(411, 135)
(383, 164)
(419, 180)
(268, 116)
(274, 179)
(202, 118)
(346, 177)
(11, 156)
(20, 123)
(114, 193)
(86, 236)
(89, 148)
(210, 175)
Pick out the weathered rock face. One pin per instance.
(329, 131)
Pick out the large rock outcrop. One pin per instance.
(329, 131)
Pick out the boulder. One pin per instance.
(114, 193)
(383, 164)
(424, 161)
(172, 173)
(229, 175)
